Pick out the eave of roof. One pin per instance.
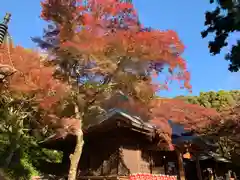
(135, 122)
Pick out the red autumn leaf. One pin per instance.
(31, 75)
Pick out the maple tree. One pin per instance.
(230, 122)
(27, 89)
(159, 111)
(224, 102)
(193, 117)
(222, 130)
(101, 48)
(29, 75)
(26, 75)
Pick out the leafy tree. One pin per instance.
(191, 116)
(100, 48)
(27, 87)
(218, 100)
(31, 78)
(16, 115)
(223, 21)
(160, 110)
(223, 129)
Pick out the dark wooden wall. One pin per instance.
(117, 152)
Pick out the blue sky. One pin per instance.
(187, 18)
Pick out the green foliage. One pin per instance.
(21, 165)
(227, 146)
(218, 100)
(223, 21)
(25, 162)
(19, 152)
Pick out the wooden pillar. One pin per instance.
(151, 161)
(199, 173)
(165, 164)
(215, 170)
(180, 166)
(138, 159)
(118, 160)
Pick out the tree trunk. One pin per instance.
(75, 157)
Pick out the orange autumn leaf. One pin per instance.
(108, 36)
(31, 76)
(114, 27)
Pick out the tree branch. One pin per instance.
(106, 80)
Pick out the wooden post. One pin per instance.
(151, 162)
(199, 173)
(138, 159)
(180, 166)
(165, 164)
(118, 160)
